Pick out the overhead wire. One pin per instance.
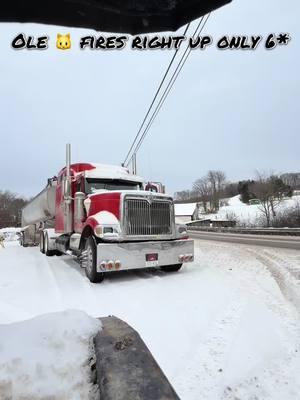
(169, 86)
(166, 92)
(155, 96)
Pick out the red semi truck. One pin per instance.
(104, 215)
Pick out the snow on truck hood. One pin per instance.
(144, 193)
(102, 171)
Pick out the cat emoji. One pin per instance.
(63, 42)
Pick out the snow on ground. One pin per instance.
(48, 357)
(248, 214)
(225, 327)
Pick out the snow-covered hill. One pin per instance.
(245, 214)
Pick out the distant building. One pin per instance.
(213, 223)
(186, 212)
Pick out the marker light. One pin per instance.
(181, 258)
(118, 264)
(103, 265)
(110, 265)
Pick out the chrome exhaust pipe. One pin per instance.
(68, 217)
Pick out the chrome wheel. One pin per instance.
(89, 261)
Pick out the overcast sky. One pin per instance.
(232, 110)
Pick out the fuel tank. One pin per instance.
(41, 208)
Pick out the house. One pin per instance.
(185, 212)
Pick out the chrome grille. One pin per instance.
(143, 217)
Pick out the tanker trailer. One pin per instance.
(38, 214)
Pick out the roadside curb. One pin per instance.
(125, 367)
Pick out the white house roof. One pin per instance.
(185, 209)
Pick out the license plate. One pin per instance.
(152, 260)
(152, 263)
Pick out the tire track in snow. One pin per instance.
(288, 284)
(44, 274)
(73, 286)
(292, 268)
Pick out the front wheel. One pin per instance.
(90, 261)
(171, 268)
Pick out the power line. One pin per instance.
(156, 94)
(169, 86)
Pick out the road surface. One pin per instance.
(224, 327)
(284, 242)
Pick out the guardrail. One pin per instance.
(249, 231)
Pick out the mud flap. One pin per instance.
(125, 367)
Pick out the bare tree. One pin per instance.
(220, 179)
(209, 189)
(289, 217)
(292, 179)
(267, 190)
(216, 180)
(10, 207)
(201, 187)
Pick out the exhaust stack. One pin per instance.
(68, 160)
(68, 217)
(134, 171)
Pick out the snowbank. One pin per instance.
(47, 357)
(225, 327)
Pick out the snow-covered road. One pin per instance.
(225, 327)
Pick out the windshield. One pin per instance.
(93, 185)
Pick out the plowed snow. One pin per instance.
(225, 327)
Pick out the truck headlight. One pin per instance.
(181, 231)
(107, 231)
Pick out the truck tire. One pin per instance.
(91, 261)
(171, 268)
(42, 242)
(48, 252)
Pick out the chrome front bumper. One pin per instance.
(133, 255)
